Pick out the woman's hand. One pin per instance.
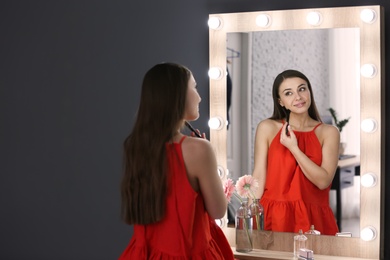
(199, 135)
(289, 141)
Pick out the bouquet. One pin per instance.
(245, 188)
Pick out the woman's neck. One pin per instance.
(301, 122)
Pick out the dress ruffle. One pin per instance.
(290, 216)
(134, 251)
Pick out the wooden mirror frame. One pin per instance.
(371, 103)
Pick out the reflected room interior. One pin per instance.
(330, 58)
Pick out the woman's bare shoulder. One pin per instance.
(269, 125)
(328, 129)
(197, 147)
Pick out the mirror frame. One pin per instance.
(371, 102)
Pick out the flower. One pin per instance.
(228, 188)
(247, 186)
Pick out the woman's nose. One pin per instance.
(297, 96)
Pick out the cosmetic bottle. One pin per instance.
(299, 242)
(312, 231)
(310, 239)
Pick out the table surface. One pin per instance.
(272, 255)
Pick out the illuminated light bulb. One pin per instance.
(215, 73)
(368, 180)
(368, 15)
(263, 20)
(313, 18)
(368, 70)
(221, 172)
(214, 23)
(368, 233)
(368, 125)
(215, 123)
(219, 222)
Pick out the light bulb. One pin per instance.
(368, 70)
(215, 73)
(263, 20)
(220, 222)
(368, 15)
(221, 172)
(215, 123)
(368, 233)
(368, 180)
(313, 18)
(214, 23)
(368, 125)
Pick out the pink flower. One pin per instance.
(228, 188)
(247, 186)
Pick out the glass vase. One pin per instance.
(257, 212)
(244, 228)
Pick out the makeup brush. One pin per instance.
(287, 119)
(192, 129)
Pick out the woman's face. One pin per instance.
(294, 94)
(192, 101)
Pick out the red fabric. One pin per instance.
(185, 232)
(291, 202)
(219, 237)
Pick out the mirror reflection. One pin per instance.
(330, 58)
(371, 87)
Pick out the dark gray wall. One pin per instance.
(70, 73)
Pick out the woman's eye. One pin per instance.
(288, 93)
(302, 89)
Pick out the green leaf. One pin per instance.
(339, 124)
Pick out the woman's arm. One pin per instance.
(264, 130)
(321, 176)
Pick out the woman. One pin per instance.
(295, 161)
(171, 191)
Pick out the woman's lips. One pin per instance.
(300, 104)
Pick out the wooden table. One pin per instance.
(272, 255)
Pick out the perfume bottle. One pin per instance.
(310, 240)
(312, 231)
(299, 242)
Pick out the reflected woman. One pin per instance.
(296, 157)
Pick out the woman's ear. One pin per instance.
(280, 102)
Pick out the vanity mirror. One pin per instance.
(368, 20)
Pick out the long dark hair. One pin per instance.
(144, 184)
(281, 112)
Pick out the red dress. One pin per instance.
(291, 202)
(187, 231)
